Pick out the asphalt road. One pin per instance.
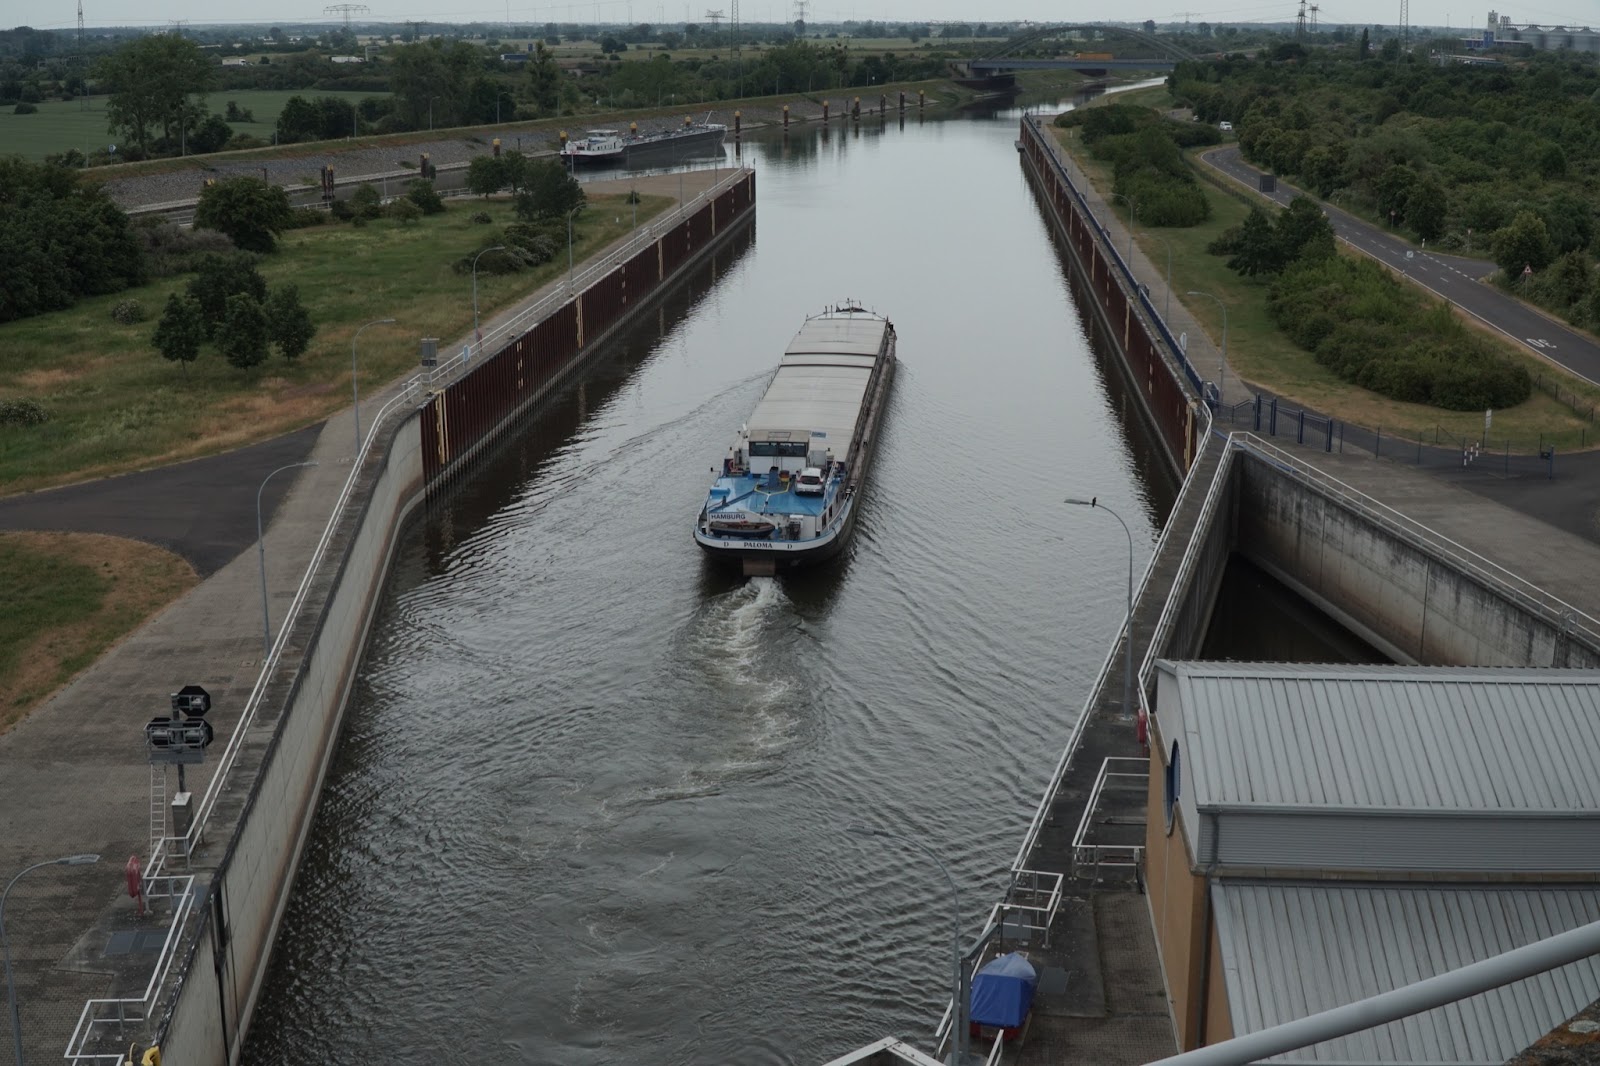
(1451, 277)
(203, 510)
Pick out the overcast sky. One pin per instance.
(1458, 13)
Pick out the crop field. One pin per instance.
(81, 124)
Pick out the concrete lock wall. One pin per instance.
(276, 785)
(1392, 592)
(1166, 397)
(252, 886)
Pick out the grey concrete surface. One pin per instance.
(203, 510)
(1453, 278)
(73, 773)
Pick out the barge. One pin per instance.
(598, 148)
(787, 492)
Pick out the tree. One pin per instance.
(1256, 248)
(421, 192)
(242, 337)
(1524, 243)
(1364, 49)
(404, 211)
(151, 79)
(298, 121)
(1150, 26)
(210, 135)
(1426, 208)
(515, 165)
(546, 78)
(62, 240)
(550, 192)
(1303, 231)
(220, 277)
(289, 325)
(486, 174)
(180, 332)
(251, 212)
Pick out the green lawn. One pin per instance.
(116, 405)
(70, 596)
(1261, 354)
(81, 124)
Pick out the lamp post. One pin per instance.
(355, 388)
(1166, 310)
(477, 334)
(5, 949)
(958, 1024)
(1133, 216)
(1222, 369)
(261, 557)
(1127, 637)
(431, 99)
(574, 211)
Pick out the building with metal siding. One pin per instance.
(1364, 795)
(1293, 949)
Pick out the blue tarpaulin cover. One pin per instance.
(1002, 991)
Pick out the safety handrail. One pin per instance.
(1031, 836)
(90, 1016)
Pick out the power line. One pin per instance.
(347, 10)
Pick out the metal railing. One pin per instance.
(1031, 836)
(407, 393)
(1174, 349)
(120, 1012)
(1120, 856)
(1186, 564)
(1519, 590)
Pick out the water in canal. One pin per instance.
(592, 802)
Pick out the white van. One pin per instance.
(809, 483)
(1225, 127)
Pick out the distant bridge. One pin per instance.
(1167, 52)
(985, 67)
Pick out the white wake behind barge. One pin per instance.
(787, 493)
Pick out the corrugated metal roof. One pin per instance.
(1394, 738)
(1293, 949)
(859, 334)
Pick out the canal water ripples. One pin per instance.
(592, 800)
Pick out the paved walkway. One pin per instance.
(73, 775)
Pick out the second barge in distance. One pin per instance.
(789, 486)
(611, 147)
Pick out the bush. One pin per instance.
(306, 217)
(128, 312)
(482, 218)
(421, 192)
(170, 250)
(1368, 329)
(366, 202)
(22, 413)
(24, 108)
(404, 211)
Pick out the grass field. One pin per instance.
(116, 405)
(69, 597)
(81, 124)
(1261, 354)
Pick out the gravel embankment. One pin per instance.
(375, 160)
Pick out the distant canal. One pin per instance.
(591, 806)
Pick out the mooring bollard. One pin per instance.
(824, 112)
(786, 118)
(902, 101)
(922, 99)
(497, 148)
(736, 125)
(855, 108)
